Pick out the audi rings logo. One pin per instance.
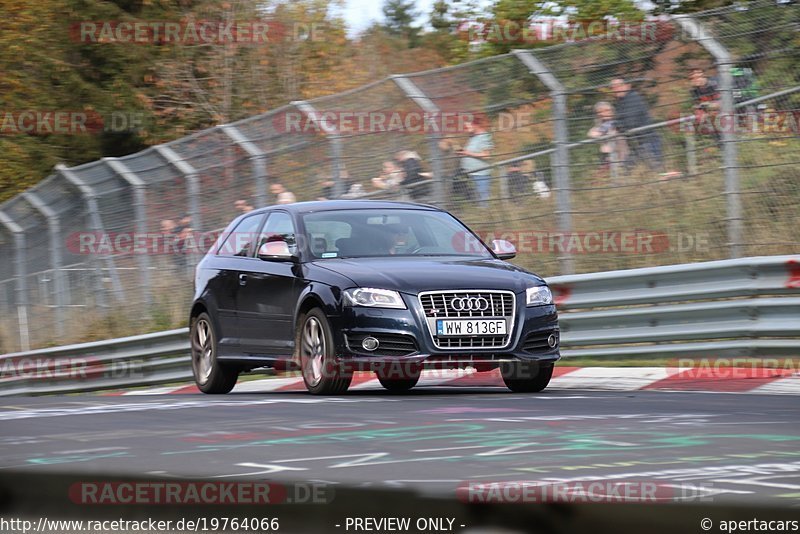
(469, 304)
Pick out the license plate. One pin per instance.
(470, 327)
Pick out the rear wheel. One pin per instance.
(321, 374)
(209, 374)
(398, 382)
(527, 377)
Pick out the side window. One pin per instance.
(279, 227)
(240, 242)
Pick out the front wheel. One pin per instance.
(321, 374)
(527, 377)
(209, 374)
(398, 381)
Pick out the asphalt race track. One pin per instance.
(731, 447)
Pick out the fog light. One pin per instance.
(370, 343)
(552, 341)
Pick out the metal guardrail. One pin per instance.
(744, 307)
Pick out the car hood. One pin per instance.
(414, 275)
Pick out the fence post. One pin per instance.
(335, 140)
(433, 119)
(257, 157)
(22, 280)
(730, 166)
(563, 188)
(56, 258)
(140, 210)
(96, 224)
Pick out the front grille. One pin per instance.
(390, 344)
(501, 304)
(537, 342)
(491, 305)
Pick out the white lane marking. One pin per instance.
(173, 405)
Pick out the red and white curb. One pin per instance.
(729, 380)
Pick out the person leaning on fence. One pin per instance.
(539, 181)
(243, 206)
(413, 177)
(475, 157)
(706, 103)
(518, 181)
(390, 178)
(282, 195)
(633, 112)
(614, 149)
(460, 186)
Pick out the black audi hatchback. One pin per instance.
(390, 287)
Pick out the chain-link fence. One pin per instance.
(605, 153)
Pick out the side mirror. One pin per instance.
(276, 251)
(504, 249)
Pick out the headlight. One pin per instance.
(538, 296)
(374, 298)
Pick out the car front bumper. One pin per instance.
(405, 337)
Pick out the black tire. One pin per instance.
(317, 355)
(209, 374)
(399, 384)
(527, 377)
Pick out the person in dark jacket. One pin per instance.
(706, 102)
(415, 180)
(632, 112)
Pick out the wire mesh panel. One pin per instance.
(762, 38)
(70, 209)
(296, 154)
(378, 125)
(516, 110)
(224, 173)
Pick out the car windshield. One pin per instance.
(384, 233)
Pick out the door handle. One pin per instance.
(242, 279)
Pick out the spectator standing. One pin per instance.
(390, 178)
(184, 240)
(282, 195)
(413, 177)
(460, 186)
(706, 102)
(633, 112)
(475, 157)
(243, 206)
(540, 181)
(614, 149)
(518, 181)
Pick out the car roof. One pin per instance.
(336, 205)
